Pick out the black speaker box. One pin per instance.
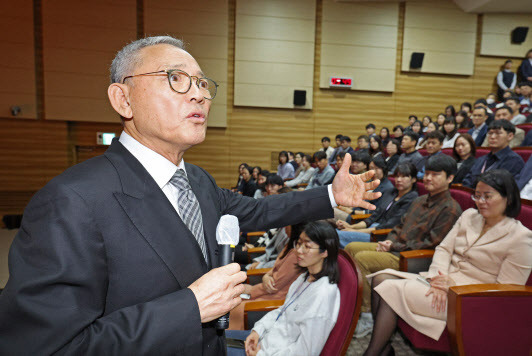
(519, 34)
(416, 61)
(300, 97)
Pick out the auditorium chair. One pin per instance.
(525, 127)
(350, 287)
(524, 152)
(423, 152)
(463, 131)
(392, 179)
(421, 187)
(463, 196)
(448, 151)
(482, 151)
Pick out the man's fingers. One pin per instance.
(366, 205)
(372, 185)
(238, 278)
(346, 164)
(371, 195)
(231, 268)
(366, 175)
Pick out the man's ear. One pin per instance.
(450, 179)
(119, 98)
(511, 136)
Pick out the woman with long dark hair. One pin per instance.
(385, 136)
(303, 323)
(464, 151)
(285, 170)
(375, 146)
(393, 149)
(486, 245)
(450, 130)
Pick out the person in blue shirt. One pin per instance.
(500, 133)
(480, 128)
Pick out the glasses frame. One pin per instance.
(169, 72)
(306, 249)
(482, 198)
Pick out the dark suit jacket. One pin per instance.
(387, 219)
(102, 261)
(526, 174)
(481, 136)
(464, 169)
(526, 69)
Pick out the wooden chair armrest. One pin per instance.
(258, 271)
(408, 255)
(359, 217)
(378, 235)
(302, 185)
(255, 233)
(263, 305)
(491, 290)
(257, 250)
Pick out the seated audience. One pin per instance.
(491, 101)
(248, 186)
(302, 329)
(370, 130)
(360, 162)
(337, 149)
(378, 164)
(275, 282)
(411, 120)
(462, 120)
(424, 225)
(285, 170)
(506, 79)
(440, 119)
(524, 181)
(385, 136)
(395, 204)
(326, 146)
(513, 104)
(363, 143)
(450, 111)
(500, 133)
(255, 174)
(240, 179)
(274, 240)
(291, 160)
(426, 121)
(464, 151)
(480, 128)
(526, 93)
(261, 184)
(433, 126)
(307, 171)
(297, 159)
(416, 128)
(339, 161)
(324, 174)
(376, 147)
(433, 146)
(528, 139)
(505, 113)
(465, 106)
(450, 130)
(398, 132)
(487, 245)
(274, 183)
(346, 144)
(410, 154)
(393, 149)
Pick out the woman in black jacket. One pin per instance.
(464, 153)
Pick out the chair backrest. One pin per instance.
(465, 130)
(463, 196)
(526, 213)
(350, 287)
(423, 152)
(525, 127)
(447, 151)
(482, 151)
(421, 188)
(392, 179)
(524, 152)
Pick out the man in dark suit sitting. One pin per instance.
(480, 128)
(500, 133)
(118, 255)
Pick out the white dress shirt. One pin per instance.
(162, 170)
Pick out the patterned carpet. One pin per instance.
(401, 347)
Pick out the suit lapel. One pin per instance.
(155, 218)
(496, 232)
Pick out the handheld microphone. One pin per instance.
(227, 234)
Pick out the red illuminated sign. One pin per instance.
(340, 82)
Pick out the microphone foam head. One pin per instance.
(228, 230)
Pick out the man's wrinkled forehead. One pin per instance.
(166, 57)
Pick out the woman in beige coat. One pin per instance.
(484, 246)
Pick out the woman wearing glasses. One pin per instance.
(302, 324)
(486, 245)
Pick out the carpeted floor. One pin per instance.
(400, 346)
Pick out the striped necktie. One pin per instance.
(189, 208)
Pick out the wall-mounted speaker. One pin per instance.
(300, 97)
(416, 61)
(519, 34)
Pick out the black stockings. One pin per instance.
(384, 320)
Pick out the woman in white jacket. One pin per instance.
(303, 323)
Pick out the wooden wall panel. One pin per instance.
(359, 41)
(17, 62)
(203, 27)
(80, 40)
(262, 41)
(444, 33)
(497, 31)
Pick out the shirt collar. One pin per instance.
(437, 198)
(159, 168)
(480, 127)
(502, 153)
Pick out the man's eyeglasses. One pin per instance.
(305, 247)
(181, 82)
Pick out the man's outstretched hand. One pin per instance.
(352, 190)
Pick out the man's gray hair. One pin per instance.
(128, 57)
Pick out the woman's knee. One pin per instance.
(381, 277)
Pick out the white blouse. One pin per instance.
(449, 142)
(305, 322)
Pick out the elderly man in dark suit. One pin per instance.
(118, 255)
